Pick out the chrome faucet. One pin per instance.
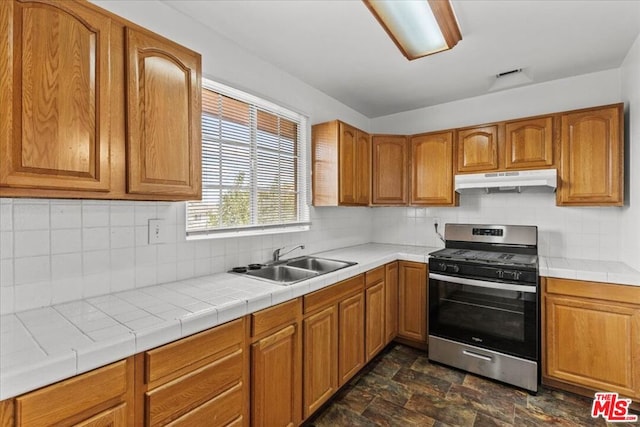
(277, 254)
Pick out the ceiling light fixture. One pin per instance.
(418, 27)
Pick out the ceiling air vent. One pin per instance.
(508, 79)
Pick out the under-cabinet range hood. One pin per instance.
(542, 180)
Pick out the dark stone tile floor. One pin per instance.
(400, 387)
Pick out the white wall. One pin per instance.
(631, 95)
(587, 233)
(53, 251)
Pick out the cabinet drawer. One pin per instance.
(596, 290)
(224, 409)
(188, 354)
(191, 390)
(69, 398)
(270, 318)
(374, 276)
(332, 294)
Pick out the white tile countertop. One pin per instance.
(39, 347)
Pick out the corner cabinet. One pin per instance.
(163, 117)
(389, 172)
(431, 170)
(341, 162)
(95, 106)
(591, 337)
(592, 151)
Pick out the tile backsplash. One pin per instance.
(53, 251)
(572, 232)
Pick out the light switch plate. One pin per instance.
(157, 231)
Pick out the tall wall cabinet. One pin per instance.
(95, 106)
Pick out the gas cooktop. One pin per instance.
(491, 257)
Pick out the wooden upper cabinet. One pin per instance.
(529, 143)
(55, 85)
(389, 177)
(592, 147)
(341, 159)
(477, 149)
(163, 117)
(354, 166)
(432, 170)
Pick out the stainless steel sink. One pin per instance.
(282, 274)
(287, 272)
(321, 265)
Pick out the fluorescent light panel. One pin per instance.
(418, 27)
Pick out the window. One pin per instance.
(254, 177)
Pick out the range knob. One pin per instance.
(454, 268)
(442, 266)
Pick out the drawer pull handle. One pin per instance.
(477, 356)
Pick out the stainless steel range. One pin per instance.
(483, 302)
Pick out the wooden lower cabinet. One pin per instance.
(375, 312)
(351, 337)
(333, 340)
(197, 379)
(591, 337)
(276, 366)
(102, 397)
(391, 301)
(412, 295)
(320, 346)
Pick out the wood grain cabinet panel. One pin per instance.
(351, 337)
(391, 301)
(389, 161)
(320, 376)
(163, 117)
(375, 337)
(412, 294)
(56, 88)
(592, 147)
(529, 143)
(431, 170)
(103, 396)
(477, 149)
(341, 162)
(590, 342)
(276, 365)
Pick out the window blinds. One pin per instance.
(253, 165)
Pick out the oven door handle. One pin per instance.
(483, 283)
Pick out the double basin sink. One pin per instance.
(294, 270)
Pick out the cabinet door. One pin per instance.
(363, 169)
(529, 143)
(275, 379)
(163, 117)
(351, 332)
(412, 294)
(591, 171)
(320, 379)
(375, 319)
(432, 170)
(114, 417)
(593, 343)
(347, 176)
(389, 178)
(56, 87)
(391, 301)
(478, 149)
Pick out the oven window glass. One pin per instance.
(495, 319)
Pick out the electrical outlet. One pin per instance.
(157, 231)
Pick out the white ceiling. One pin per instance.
(338, 47)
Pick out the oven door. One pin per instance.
(497, 316)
